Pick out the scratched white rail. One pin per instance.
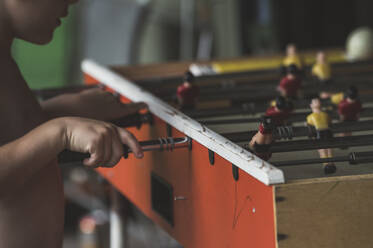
(246, 161)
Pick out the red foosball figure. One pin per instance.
(290, 85)
(280, 112)
(321, 121)
(350, 107)
(187, 93)
(263, 139)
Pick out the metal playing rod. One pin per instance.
(339, 68)
(161, 144)
(353, 158)
(289, 132)
(254, 88)
(252, 108)
(216, 87)
(302, 145)
(295, 117)
(263, 95)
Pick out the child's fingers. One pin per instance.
(131, 108)
(128, 139)
(117, 150)
(97, 150)
(108, 137)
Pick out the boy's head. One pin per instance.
(33, 20)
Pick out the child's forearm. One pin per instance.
(59, 106)
(20, 159)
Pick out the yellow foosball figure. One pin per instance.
(292, 57)
(321, 68)
(321, 121)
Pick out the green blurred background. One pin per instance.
(49, 65)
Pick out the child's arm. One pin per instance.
(92, 103)
(20, 159)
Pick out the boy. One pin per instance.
(31, 191)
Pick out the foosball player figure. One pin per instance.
(280, 111)
(290, 85)
(350, 107)
(321, 122)
(261, 142)
(321, 69)
(292, 57)
(187, 93)
(337, 98)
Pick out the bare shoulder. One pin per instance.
(16, 97)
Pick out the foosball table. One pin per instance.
(207, 189)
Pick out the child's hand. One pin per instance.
(102, 105)
(102, 140)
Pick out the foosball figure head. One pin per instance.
(291, 50)
(320, 57)
(284, 104)
(351, 93)
(315, 105)
(267, 125)
(292, 57)
(280, 111)
(292, 71)
(281, 103)
(189, 77)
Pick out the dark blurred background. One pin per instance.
(154, 31)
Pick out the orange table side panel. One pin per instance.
(217, 212)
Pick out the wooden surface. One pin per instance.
(329, 212)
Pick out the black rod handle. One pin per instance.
(134, 120)
(160, 144)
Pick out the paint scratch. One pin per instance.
(236, 215)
